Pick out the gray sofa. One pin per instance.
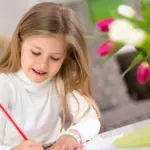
(111, 94)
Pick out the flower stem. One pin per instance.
(95, 36)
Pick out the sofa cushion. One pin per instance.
(109, 89)
(128, 114)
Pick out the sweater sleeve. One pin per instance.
(89, 125)
(5, 97)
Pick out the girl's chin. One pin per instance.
(37, 80)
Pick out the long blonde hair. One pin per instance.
(54, 19)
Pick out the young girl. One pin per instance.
(44, 83)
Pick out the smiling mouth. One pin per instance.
(39, 72)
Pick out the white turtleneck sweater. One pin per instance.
(36, 110)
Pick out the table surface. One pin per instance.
(119, 131)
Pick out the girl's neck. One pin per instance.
(30, 85)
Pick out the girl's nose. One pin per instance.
(44, 64)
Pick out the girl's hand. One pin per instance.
(66, 143)
(28, 145)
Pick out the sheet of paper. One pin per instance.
(99, 143)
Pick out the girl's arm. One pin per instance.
(89, 125)
(5, 98)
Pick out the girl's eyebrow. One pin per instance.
(37, 47)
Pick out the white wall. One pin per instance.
(10, 13)
(60, 1)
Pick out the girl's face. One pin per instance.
(42, 57)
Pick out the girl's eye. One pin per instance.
(36, 53)
(55, 59)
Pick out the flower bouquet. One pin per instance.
(122, 25)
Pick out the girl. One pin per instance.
(44, 83)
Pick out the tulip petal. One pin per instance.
(103, 25)
(106, 48)
(126, 11)
(143, 73)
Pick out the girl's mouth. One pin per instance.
(37, 72)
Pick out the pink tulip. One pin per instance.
(106, 48)
(104, 24)
(143, 72)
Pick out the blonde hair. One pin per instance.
(54, 19)
(3, 42)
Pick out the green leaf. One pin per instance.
(146, 46)
(138, 23)
(102, 9)
(135, 62)
(145, 10)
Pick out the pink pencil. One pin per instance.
(13, 122)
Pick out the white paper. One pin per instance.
(99, 143)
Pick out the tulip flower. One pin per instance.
(143, 72)
(120, 30)
(103, 25)
(106, 48)
(126, 11)
(136, 37)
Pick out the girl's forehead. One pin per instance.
(53, 43)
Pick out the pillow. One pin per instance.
(109, 89)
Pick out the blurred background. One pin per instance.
(122, 101)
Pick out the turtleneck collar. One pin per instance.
(32, 86)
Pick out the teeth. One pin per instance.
(39, 72)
